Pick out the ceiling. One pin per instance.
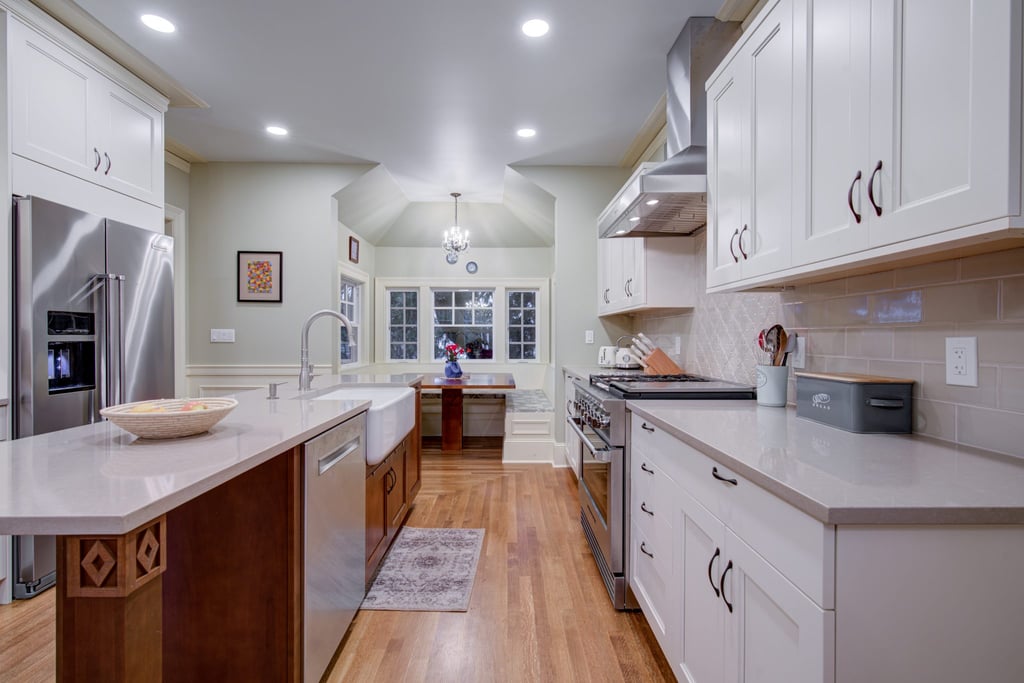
(433, 91)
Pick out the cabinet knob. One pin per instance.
(643, 506)
(96, 166)
(719, 477)
(739, 242)
(721, 585)
(732, 242)
(711, 579)
(648, 553)
(107, 157)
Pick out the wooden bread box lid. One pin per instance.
(853, 378)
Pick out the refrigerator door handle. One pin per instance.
(105, 333)
(120, 376)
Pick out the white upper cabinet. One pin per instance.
(754, 153)
(945, 116)
(905, 139)
(645, 273)
(67, 115)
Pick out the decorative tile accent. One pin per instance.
(114, 566)
(97, 564)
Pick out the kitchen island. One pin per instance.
(178, 559)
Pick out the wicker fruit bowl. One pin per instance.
(169, 418)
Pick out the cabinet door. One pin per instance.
(728, 188)
(414, 454)
(376, 518)
(616, 277)
(838, 61)
(764, 240)
(572, 441)
(944, 78)
(774, 632)
(634, 272)
(395, 490)
(651, 567)
(51, 107)
(605, 247)
(701, 649)
(131, 140)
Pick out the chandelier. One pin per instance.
(455, 241)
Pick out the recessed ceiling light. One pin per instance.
(526, 132)
(652, 202)
(157, 23)
(620, 232)
(535, 28)
(277, 130)
(634, 219)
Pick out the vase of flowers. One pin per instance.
(452, 353)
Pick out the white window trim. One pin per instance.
(426, 286)
(346, 271)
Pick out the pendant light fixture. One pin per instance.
(455, 240)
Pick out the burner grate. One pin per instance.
(650, 378)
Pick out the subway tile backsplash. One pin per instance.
(892, 323)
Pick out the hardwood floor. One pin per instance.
(539, 610)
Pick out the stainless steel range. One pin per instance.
(599, 416)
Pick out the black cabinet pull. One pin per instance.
(871, 189)
(732, 240)
(643, 506)
(719, 477)
(721, 585)
(96, 166)
(739, 242)
(645, 551)
(711, 579)
(646, 428)
(606, 296)
(107, 157)
(849, 197)
(645, 468)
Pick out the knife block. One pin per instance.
(658, 363)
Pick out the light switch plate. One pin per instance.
(962, 361)
(588, 336)
(222, 336)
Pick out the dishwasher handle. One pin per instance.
(331, 459)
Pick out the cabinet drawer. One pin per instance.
(799, 546)
(650, 579)
(651, 502)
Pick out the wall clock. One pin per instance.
(471, 267)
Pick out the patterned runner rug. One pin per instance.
(427, 570)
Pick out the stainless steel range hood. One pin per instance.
(670, 198)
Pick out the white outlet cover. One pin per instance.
(799, 357)
(962, 361)
(222, 336)
(588, 336)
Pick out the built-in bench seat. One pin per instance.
(524, 417)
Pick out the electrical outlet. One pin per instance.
(588, 336)
(222, 336)
(962, 361)
(798, 359)
(676, 345)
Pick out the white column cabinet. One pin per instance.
(755, 151)
(572, 441)
(67, 115)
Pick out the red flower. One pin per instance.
(453, 351)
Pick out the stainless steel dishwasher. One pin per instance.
(335, 540)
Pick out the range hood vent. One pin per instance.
(670, 198)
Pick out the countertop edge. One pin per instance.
(838, 515)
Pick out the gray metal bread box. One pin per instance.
(857, 403)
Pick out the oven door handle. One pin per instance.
(600, 453)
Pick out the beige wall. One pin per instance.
(273, 207)
(176, 189)
(894, 324)
(429, 262)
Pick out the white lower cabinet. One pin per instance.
(719, 609)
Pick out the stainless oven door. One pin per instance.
(601, 494)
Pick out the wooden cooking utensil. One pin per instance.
(780, 350)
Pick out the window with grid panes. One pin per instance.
(350, 297)
(522, 324)
(464, 317)
(403, 324)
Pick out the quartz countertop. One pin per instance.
(99, 479)
(843, 478)
(585, 371)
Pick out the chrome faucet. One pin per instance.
(305, 367)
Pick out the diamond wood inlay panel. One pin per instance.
(114, 566)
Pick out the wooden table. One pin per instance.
(451, 400)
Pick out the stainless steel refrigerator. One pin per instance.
(93, 327)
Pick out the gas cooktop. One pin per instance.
(636, 387)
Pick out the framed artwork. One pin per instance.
(259, 276)
(353, 250)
